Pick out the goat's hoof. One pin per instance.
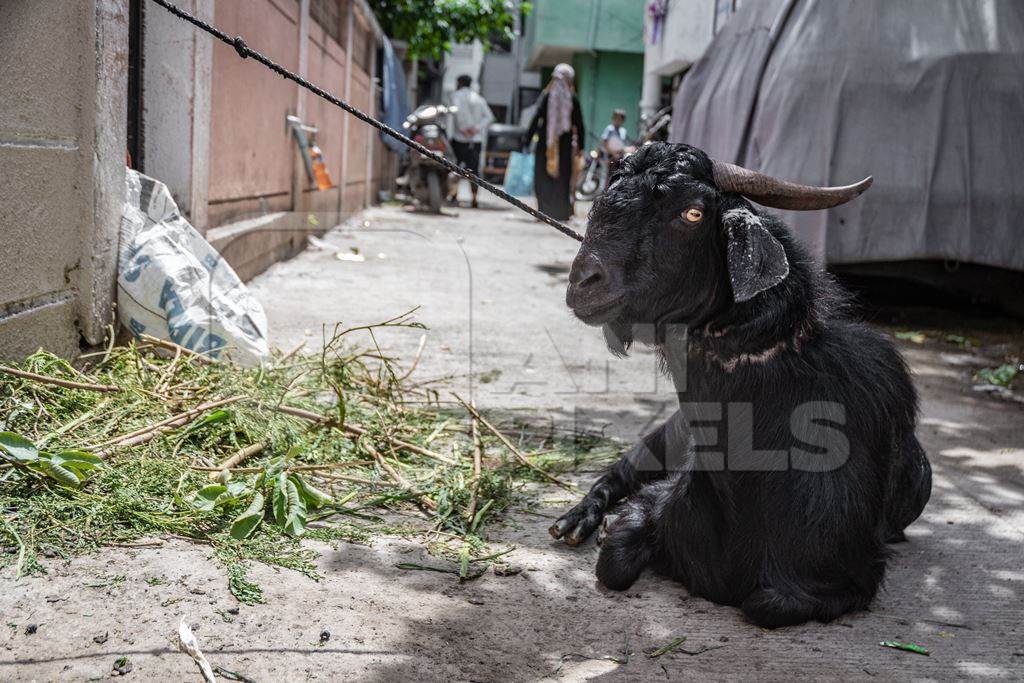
(576, 525)
(558, 529)
(606, 524)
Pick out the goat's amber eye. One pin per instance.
(693, 215)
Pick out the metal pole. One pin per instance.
(517, 57)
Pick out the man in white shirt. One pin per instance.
(468, 128)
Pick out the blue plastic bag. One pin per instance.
(519, 175)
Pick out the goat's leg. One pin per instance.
(772, 607)
(909, 490)
(788, 598)
(644, 463)
(629, 545)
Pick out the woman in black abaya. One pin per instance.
(558, 123)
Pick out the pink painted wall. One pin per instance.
(358, 136)
(327, 69)
(250, 148)
(253, 158)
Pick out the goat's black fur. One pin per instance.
(787, 538)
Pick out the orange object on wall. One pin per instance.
(323, 178)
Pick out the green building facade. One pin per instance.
(603, 40)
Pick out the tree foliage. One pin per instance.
(430, 27)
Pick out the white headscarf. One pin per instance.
(559, 114)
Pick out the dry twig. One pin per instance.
(43, 379)
(238, 458)
(151, 432)
(508, 444)
(395, 475)
(358, 431)
(416, 360)
(477, 463)
(177, 348)
(296, 468)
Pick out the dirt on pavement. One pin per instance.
(490, 285)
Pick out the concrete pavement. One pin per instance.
(490, 285)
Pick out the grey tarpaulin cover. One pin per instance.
(395, 102)
(926, 95)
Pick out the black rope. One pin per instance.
(244, 51)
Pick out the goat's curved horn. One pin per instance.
(782, 194)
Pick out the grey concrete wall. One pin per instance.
(686, 33)
(63, 71)
(176, 83)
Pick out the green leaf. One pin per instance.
(909, 647)
(273, 467)
(671, 645)
(245, 523)
(295, 525)
(59, 473)
(18, 447)
(276, 465)
(211, 417)
(915, 337)
(206, 497)
(431, 26)
(237, 488)
(479, 516)
(1001, 376)
(289, 507)
(279, 500)
(313, 496)
(80, 460)
(340, 393)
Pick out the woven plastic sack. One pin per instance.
(519, 175)
(173, 285)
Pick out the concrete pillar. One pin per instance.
(650, 95)
(371, 139)
(176, 95)
(63, 130)
(300, 202)
(202, 67)
(347, 96)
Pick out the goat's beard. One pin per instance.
(618, 335)
(621, 333)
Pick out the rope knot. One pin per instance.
(240, 47)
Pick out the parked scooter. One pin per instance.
(654, 127)
(593, 177)
(598, 167)
(428, 181)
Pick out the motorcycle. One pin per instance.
(654, 127)
(593, 177)
(429, 182)
(598, 167)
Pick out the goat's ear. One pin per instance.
(757, 261)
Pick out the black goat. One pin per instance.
(792, 460)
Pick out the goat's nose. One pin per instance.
(587, 271)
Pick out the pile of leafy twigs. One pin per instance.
(149, 441)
